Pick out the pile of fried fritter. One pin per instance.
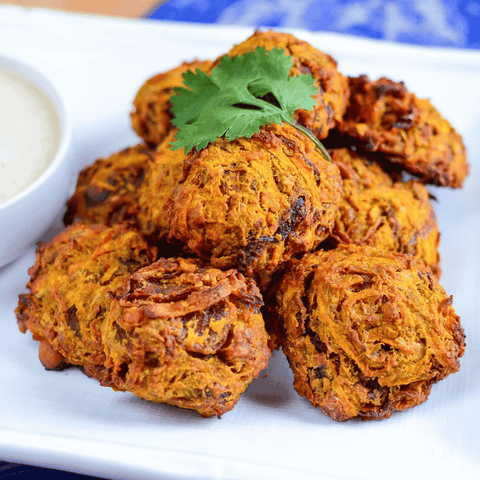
(178, 273)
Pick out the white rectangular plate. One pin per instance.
(67, 421)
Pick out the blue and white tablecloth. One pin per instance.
(447, 23)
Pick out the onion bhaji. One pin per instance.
(384, 116)
(151, 118)
(390, 215)
(133, 185)
(107, 191)
(161, 176)
(70, 291)
(366, 332)
(333, 92)
(254, 203)
(183, 333)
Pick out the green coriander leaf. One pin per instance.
(187, 107)
(240, 95)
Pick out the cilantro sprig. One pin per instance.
(240, 95)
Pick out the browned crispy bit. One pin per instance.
(50, 358)
(70, 289)
(183, 333)
(332, 96)
(366, 332)
(256, 202)
(390, 215)
(383, 116)
(151, 117)
(270, 287)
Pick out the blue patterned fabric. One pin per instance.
(447, 23)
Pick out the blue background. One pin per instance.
(448, 23)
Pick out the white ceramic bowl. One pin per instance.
(27, 216)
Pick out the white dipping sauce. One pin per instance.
(29, 134)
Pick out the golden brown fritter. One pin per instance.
(161, 176)
(133, 185)
(390, 215)
(254, 203)
(332, 86)
(151, 117)
(70, 290)
(366, 332)
(107, 190)
(384, 116)
(183, 333)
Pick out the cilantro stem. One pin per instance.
(267, 105)
(312, 137)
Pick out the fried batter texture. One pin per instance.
(384, 116)
(366, 332)
(151, 117)
(70, 291)
(254, 203)
(107, 190)
(183, 333)
(163, 173)
(390, 215)
(133, 185)
(333, 92)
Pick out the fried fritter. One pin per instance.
(133, 186)
(254, 203)
(70, 291)
(162, 175)
(390, 215)
(383, 116)
(183, 333)
(107, 190)
(333, 92)
(366, 332)
(151, 117)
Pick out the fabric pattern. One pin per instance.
(446, 23)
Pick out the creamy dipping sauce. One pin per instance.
(29, 134)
